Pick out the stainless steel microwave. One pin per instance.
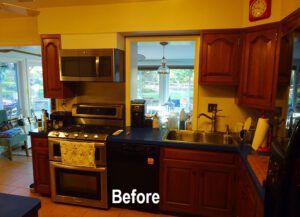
(91, 65)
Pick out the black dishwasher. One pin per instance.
(133, 166)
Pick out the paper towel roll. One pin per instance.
(261, 133)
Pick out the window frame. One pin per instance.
(22, 83)
(130, 47)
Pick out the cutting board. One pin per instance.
(259, 165)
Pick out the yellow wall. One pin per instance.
(19, 31)
(160, 15)
(104, 40)
(288, 6)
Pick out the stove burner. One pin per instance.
(86, 132)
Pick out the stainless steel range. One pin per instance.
(85, 186)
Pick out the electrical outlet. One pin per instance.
(212, 107)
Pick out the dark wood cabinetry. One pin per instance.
(53, 87)
(220, 57)
(258, 79)
(216, 192)
(40, 161)
(249, 203)
(197, 182)
(285, 59)
(183, 199)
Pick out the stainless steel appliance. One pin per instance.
(138, 111)
(282, 191)
(91, 65)
(83, 185)
(60, 119)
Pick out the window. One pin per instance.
(9, 88)
(164, 93)
(37, 101)
(21, 82)
(294, 96)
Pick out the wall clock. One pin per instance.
(259, 9)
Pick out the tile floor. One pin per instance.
(16, 176)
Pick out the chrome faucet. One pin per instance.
(213, 119)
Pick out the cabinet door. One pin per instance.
(220, 58)
(178, 186)
(259, 69)
(216, 192)
(249, 204)
(40, 160)
(285, 59)
(53, 87)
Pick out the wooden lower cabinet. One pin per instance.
(216, 191)
(203, 188)
(249, 204)
(40, 161)
(184, 197)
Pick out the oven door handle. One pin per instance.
(63, 166)
(99, 145)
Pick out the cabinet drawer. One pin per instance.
(201, 156)
(38, 142)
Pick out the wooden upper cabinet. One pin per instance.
(220, 58)
(53, 87)
(285, 59)
(259, 69)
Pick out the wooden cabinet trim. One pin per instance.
(199, 156)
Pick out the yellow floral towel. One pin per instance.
(78, 153)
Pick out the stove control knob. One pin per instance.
(66, 134)
(85, 135)
(75, 134)
(96, 136)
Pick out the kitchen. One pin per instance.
(119, 26)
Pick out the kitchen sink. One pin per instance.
(200, 137)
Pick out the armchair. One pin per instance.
(12, 137)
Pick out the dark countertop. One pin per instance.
(155, 137)
(35, 132)
(18, 206)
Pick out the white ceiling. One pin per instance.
(13, 54)
(174, 50)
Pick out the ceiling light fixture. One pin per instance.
(163, 69)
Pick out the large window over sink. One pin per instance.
(172, 95)
(165, 92)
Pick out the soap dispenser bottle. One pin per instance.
(188, 123)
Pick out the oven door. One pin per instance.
(55, 154)
(79, 185)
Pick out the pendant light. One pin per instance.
(163, 69)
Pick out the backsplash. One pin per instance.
(94, 92)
